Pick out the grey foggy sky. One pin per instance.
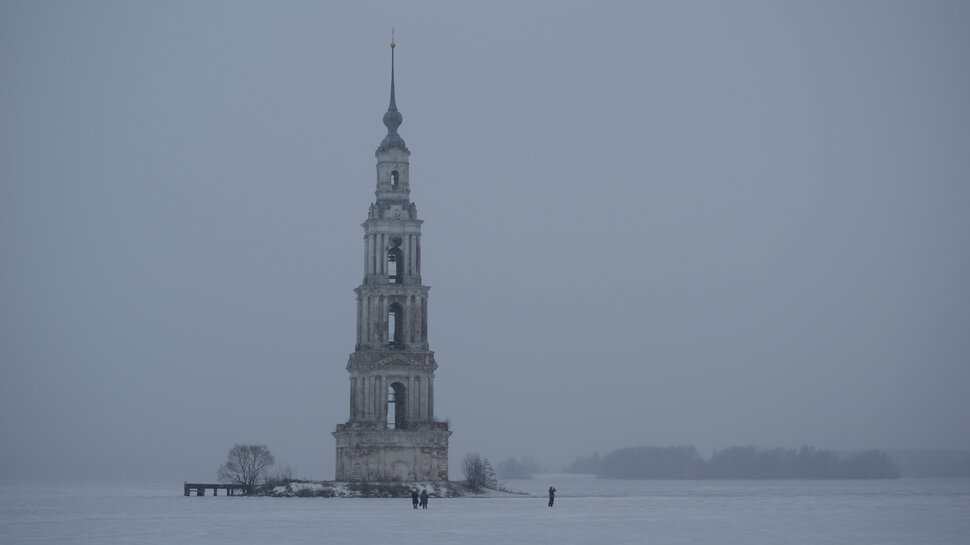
(677, 223)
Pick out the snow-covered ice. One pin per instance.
(587, 511)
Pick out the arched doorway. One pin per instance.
(397, 406)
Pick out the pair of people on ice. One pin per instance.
(423, 499)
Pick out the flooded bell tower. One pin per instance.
(392, 433)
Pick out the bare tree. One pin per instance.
(246, 464)
(478, 472)
(282, 475)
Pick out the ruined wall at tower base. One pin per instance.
(387, 455)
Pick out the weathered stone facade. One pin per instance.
(392, 433)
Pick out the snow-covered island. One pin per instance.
(334, 489)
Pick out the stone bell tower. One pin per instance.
(392, 434)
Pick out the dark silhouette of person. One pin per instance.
(424, 499)
(414, 498)
(552, 495)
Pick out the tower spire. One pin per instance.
(392, 118)
(393, 105)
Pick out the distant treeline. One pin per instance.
(522, 468)
(932, 463)
(736, 463)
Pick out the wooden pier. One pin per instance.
(231, 489)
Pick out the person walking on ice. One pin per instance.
(424, 499)
(552, 495)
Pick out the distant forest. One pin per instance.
(932, 464)
(736, 463)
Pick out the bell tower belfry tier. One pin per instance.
(392, 433)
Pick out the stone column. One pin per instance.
(412, 400)
(383, 401)
(411, 259)
(382, 315)
(374, 407)
(371, 404)
(418, 398)
(375, 265)
(353, 398)
(381, 249)
(360, 320)
(424, 322)
(365, 321)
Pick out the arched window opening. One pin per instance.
(397, 406)
(395, 325)
(395, 266)
(395, 180)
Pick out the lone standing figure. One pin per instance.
(552, 495)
